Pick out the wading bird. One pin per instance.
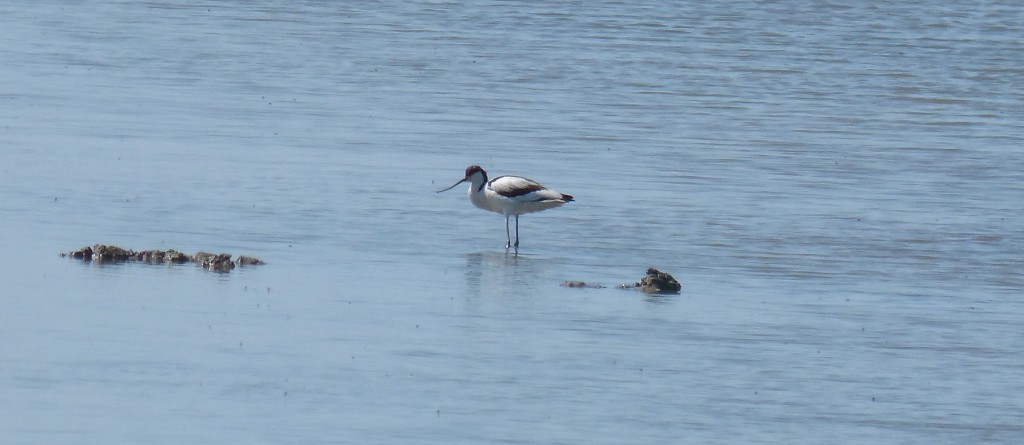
(509, 196)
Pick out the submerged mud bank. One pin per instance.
(654, 282)
(103, 253)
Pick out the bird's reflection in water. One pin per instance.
(501, 273)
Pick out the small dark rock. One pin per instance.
(201, 256)
(215, 262)
(84, 253)
(150, 256)
(244, 260)
(160, 256)
(173, 256)
(110, 254)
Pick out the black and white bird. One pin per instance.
(509, 196)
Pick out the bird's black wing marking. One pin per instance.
(513, 186)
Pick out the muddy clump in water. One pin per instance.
(103, 253)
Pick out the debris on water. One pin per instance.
(103, 253)
(655, 282)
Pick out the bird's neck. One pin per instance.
(478, 181)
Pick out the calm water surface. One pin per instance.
(837, 187)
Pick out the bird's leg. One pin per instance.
(508, 238)
(517, 230)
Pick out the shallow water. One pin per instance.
(837, 188)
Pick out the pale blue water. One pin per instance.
(839, 189)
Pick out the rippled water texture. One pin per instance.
(838, 188)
